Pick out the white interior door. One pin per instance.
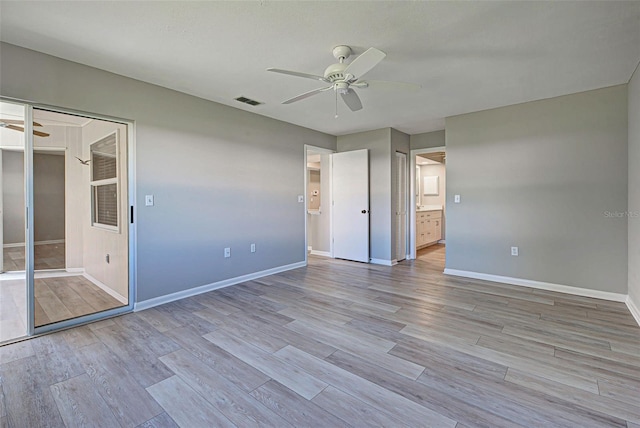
(350, 190)
(401, 208)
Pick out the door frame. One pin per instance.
(130, 216)
(326, 192)
(412, 196)
(406, 206)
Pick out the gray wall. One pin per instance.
(13, 196)
(191, 154)
(542, 176)
(48, 197)
(427, 140)
(379, 144)
(634, 189)
(399, 143)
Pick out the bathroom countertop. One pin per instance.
(424, 208)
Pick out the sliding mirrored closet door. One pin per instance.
(65, 210)
(81, 218)
(13, 249)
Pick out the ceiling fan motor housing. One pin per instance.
(335, 72)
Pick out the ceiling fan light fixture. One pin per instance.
(342, 88)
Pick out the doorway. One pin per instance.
(318, 201)
(429, 196)
(336, 203)
(66, 176)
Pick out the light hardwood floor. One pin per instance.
(338, 344)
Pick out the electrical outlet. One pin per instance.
(514, 251)
(253, 248)
(227, 252)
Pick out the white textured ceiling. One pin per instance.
(468, 56)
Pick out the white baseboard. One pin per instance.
(442, 241)
(119, 297)
(54, 241)
(585, 292)
(22, 244)
(21, 275)
(321, 253)
(149, 303)
(75, 270)
(14, 245)
(309, 248)
(382, 262)
(633, 309)
(54, 274)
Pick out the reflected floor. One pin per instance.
(56, 299)
(47, 256)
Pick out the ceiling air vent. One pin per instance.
(248, 101)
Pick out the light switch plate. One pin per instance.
(456, 199)
(227, 252)
(148, 200)
(300, 198)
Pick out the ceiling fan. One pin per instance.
(11, 124)
(345, 78)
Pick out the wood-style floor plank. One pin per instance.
(243, 375)
(185, 406)
(129, 402)
(380, 398)
(299, 411)
(28, 399)
(356, 412)
(290, 376)
(80, 405)
(161, 421)
(240, 408)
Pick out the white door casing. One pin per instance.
(350, 191)
(401, 206)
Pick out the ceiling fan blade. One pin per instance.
(17, 128)
(306, 95)
(298, 74)
(17, 122)
(352, 100)
(383, 84)
(365, 62)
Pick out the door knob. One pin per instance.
(363, 211)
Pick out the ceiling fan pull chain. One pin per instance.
(336, 116)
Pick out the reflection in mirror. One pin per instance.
(91, 189)
(13, 279)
